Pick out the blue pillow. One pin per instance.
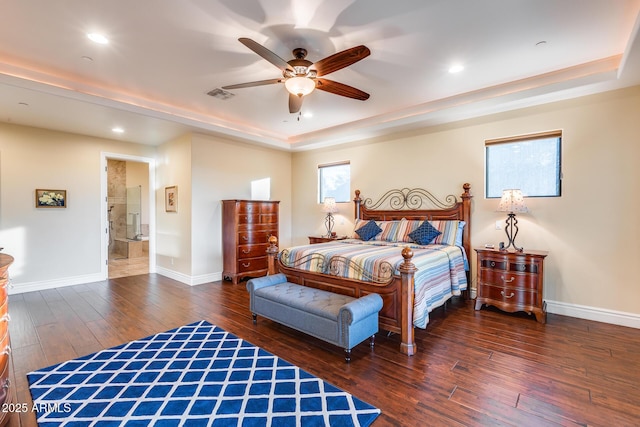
(424, 234)
(369, 230)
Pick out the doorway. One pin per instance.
(129, 213)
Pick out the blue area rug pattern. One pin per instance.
(195, 375)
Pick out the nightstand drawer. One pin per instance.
(510, 279)
(518, 297)
(494, 264)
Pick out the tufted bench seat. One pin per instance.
(334, 318)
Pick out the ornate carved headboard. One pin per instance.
(417, 203)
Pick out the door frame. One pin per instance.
(104, 206)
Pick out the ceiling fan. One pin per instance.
(301, 76)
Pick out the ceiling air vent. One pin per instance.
(220, 94)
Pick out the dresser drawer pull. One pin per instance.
(245, 238)
(246, 265)
(7, 384)
(507, 281)
(507, 296)
(492, 264)
(6, 351)
(5, 318)
(246, 251)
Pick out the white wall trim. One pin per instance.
(189, 280)
(43, 285)
(621, 318)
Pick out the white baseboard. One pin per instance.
(19, 288)
(621, 318)
(189, 280)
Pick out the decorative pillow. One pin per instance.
(368, 231)
(449, 230)
(424, 234)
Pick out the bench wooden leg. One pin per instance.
(372, 341)
(254, 317)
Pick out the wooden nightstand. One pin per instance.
(512, 281)
(323, 239)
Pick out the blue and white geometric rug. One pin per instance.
(196, 375)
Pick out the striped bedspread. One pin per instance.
(440, 275)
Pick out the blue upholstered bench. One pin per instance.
(338, 319)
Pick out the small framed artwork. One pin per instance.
(171, 199)
(51, 198)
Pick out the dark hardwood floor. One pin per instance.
(472, 368)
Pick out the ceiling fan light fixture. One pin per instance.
(300, 86)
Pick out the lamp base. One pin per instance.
(512, 231)
(328, 222)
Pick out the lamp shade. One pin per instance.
(512, 201)
(300, 86)
(330, 205)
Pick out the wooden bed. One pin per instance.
(397, 291)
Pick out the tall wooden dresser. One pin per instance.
(6, 392)
(246, 227)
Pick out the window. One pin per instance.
(334, 180)
(530, 163)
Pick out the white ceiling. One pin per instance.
(164, 56)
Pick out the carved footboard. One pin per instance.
(397, 292)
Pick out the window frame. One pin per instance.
(322, 193)
(555, 134)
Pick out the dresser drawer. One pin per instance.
(510, 279)
(250, 237)
(249, 208)
(511, 296)
(252, 264)
(252, 251)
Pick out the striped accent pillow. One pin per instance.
(389, 231)
(449, 230)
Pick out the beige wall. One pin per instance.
(591, 232)
(53, 246)
(224, 169)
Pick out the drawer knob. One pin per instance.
(245, 251)
(507, 281)
(245, 238)
(5, 318)
(507, 296)
(492, 264)
(6, 351)
(246, 265)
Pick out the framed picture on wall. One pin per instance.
(171, 199)
(51, 198)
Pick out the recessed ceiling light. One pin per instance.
(117, 130)
(98, 38)
(456, 68)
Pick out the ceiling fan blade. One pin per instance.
(252, 84)
(295, 103)
(266, 54)
(341, 89)
(340, 60)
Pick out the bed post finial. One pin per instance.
(356, 203)
(272, 251)
(407, 270)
